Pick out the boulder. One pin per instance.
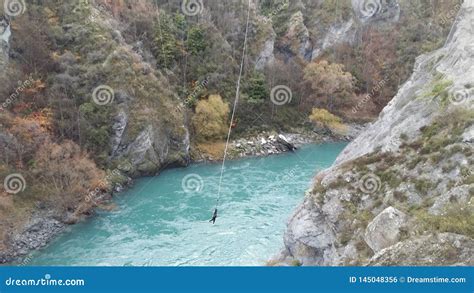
(384, 230)
(428, 250)
(284, 141)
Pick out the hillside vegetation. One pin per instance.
(95, 92)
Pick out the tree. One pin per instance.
(196, 41)
(165, 46)
(257, 91)
(32, 41)
(95, 129)
(323, 119)
(331, 85)
(210, 120)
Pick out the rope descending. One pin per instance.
(237, 95)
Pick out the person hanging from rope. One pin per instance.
(233, 121)
(214, 217)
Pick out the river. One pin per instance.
(163, 220)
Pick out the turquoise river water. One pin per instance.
(163, 220)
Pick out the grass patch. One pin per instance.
(423, 185)
(439, 90)
(391, 178)
(212, 149)
(457, 219)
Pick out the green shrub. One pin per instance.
(210, 120)
(322, 118)
(457, 219)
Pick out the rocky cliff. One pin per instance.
(115, 105)
(93, 92)
(402, 192)
(5, 34)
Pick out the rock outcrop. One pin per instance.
(385, 229)
(266, 56)
(428, 250)
(145, 138)
(5, 33)
(402, 192)
(299, 36)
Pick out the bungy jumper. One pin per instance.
(237, 94)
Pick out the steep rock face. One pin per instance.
(336, 34)
(405, 185)
(445, 248)
(266, 55)
(309, 38)
(408, 112)
(5, 33)
(147, 135)
(298, 35)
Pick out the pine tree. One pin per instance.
(257, 91)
